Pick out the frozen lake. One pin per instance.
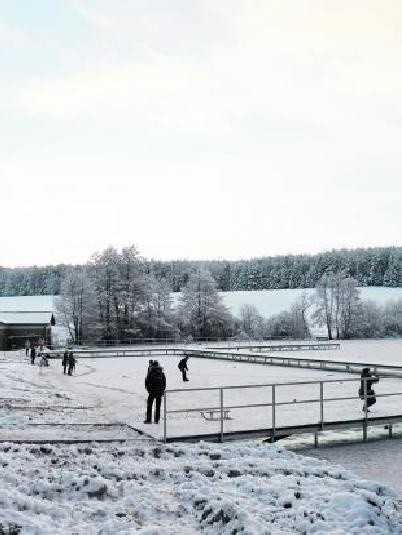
(109, 390)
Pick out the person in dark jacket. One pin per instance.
(33, 354)
(64, 362)
(155, 383)
(71, 363)
(368, 378)
(183, 368)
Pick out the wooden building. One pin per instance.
(25, 318)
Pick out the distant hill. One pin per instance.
(370, 267)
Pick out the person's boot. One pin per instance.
(147, 422)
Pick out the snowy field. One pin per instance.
(271, 302)
(141, 486)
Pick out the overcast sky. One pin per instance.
(198, 128)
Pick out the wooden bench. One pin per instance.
(214, 415)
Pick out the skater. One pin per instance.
(27, 347)
(64, 362)
(71, 363)
(33, 354)
(155, 383)
(183, 368)
(368, 378)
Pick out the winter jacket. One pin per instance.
(183, 364)
(370, 380)
(155, 381)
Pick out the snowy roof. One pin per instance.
(32, 309)
(27, 303)
(25, 317)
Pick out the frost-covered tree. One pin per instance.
(290, 323)
(201, 312)
(120, 290)
(251, 322)
(76, 305)
(156, 318)
(337, 300)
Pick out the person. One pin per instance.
(183, 368)
(368, 378)
(155, 384)
(149, 366)
(27, 346)
(33, 354)
(64, 362)
(71, 363)
(43, 363)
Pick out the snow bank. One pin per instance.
(151, 489)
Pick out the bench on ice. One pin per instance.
(214, 415)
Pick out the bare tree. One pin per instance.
(76, 304)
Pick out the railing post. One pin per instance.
(221, 404)
(322, 404)
(164, 418)
(273, 423)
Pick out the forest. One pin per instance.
(368, 267)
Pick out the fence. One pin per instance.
(221, 410)
(295, 362)
(183, 340)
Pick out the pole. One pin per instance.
(221, 404)
(365, 410)
(322, 404)
(164, 418)
(273, 423)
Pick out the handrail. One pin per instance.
(211, 353)
(273, 404)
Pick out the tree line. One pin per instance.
(116, 297)
(368, 267)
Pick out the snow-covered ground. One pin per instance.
(155, 490)
(142, 486)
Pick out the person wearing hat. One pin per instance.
(155, 384)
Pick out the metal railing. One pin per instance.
(299, 362)
(274, 431)
(184, 340)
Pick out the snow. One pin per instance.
(27, 303)
(25, 318)
(151, 489)
(271, 302)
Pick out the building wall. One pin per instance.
(15, 336)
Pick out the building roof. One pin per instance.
(30, 309)
(27, 303)
(23, 318)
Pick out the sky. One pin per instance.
(198, 129)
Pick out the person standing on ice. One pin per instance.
(183, 368)
(368, 378)
(155, 384)
(27, 346)
(71, 363)
(33, 354)
(64, 362)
